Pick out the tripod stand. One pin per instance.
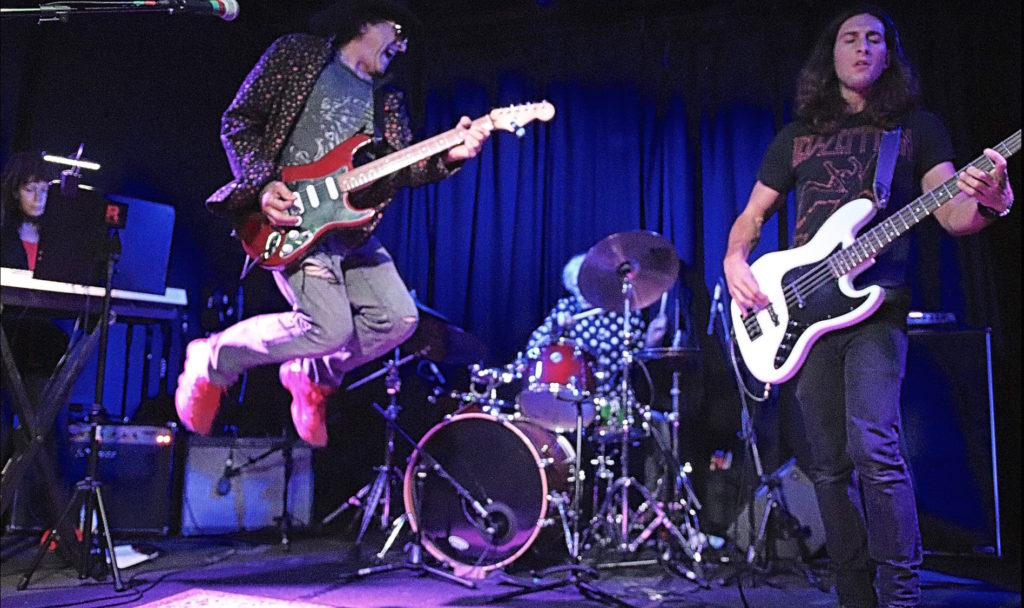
(414, 549)
(776, 518)
(88, 491)
(577, 574)
(378, 492)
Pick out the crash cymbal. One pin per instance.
(441, 341)
(646, 259)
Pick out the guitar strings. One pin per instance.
(830, 268)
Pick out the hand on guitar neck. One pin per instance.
(474, 134)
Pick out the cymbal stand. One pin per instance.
(690, 543)
(377, 493)
(414, 549)
(577, 574)
(89, 489)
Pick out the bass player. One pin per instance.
(857, 83)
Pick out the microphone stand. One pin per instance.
(760, 554)
(284, 520)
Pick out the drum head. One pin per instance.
(498, 466)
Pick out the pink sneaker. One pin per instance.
(309, 403)
(197, 399)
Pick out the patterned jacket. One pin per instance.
(257, 124)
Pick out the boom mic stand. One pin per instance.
(760, 553)
(90, 488)
(284, 520)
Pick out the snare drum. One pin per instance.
(513, 469)
(559, 376)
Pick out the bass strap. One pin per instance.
(888, 152)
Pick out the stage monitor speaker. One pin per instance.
(136, 466)
(796, 495)
(234, 485)
(949, 440)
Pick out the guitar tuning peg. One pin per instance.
(519, 131)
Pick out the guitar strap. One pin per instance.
(888, 152)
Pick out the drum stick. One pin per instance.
(664, 300)
(587, 313)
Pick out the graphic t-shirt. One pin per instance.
(826, 171)
(340, 106)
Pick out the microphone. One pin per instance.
(225, 9)
(716, 306)
(224, 483)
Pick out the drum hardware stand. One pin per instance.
(89, 488)
(378, 492)
(414, 549)
(577, 574)
(626, 401)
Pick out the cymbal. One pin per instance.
(644, 258)
(441, 341)
(679, 353)
(668, 358)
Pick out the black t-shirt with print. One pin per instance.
(827, 171)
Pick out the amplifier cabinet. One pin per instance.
(950, 442)
(136, 467)
(237, 484)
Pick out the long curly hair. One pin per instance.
(21, 168)
(818, 98)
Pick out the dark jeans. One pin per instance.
(849, 393)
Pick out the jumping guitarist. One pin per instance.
(307, 96)
(856, 84)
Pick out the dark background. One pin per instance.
(663, 112)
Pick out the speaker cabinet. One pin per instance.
(795, 493)
(234, 484)
(949, 440)
(136, 467)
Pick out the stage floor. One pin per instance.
(256, 570)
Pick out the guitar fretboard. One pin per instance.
(872, 242)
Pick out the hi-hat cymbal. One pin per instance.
(643, 259)
(441, 341)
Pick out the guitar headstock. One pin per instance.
(513, 118)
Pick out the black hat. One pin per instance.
(342, 20)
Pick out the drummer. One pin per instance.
(595, 330)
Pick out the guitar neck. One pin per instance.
(396, 161)
(872, 242)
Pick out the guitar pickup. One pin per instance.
(773, 315)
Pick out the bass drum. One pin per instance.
(511, 468)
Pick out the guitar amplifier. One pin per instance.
(949, 440)
(136, 467)
(237, 484)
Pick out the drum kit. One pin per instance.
(499, 477)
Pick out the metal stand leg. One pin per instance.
(89, 491)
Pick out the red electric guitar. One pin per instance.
(322, 189)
